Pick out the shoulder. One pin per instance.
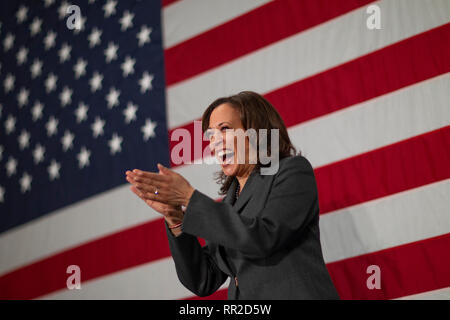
(297, 161)
(289, 165)
(295, 171)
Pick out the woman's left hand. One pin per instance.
(172, 188)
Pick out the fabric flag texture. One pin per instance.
(369, 108)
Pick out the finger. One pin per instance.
(151, 175)
(155, 197)
(137, 192)
(150, 182)
(155, 205)
(144, 187)
(164, 170)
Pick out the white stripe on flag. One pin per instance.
(440, 294)
(304, 54)
(157, 281)
(381, 121)
(404, 217)
(183, 20)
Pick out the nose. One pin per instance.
(216, 141)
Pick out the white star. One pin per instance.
(36, 68)
(22, 56)
(128, 66)
(25, 182)
(49, 40)
(67, 140)
(80, 68)
(36, 111)
(126, 21)
(97, 127)
(83, 157)
(21, 14)
(24, 139)
(48, 3)
(38, 153)
(146, 82)
(148, 129)
(130, 112)
(110, 8)
(79, 25)
(22, 97)
(64, 53)
(35, 26)
(81, 112)
(2, 194)
(10, 124)
(51, 126)
(62, 10)
(114, 143)
(8, 42)
(65, 96)
(113, 98)
(111, 52)
(94, 37)
(8, 83)
(96, 81)
(11, 166)
(50, 82)
(53, 170)
(144, 35)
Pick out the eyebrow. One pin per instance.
(221, 124)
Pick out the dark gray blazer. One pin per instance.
(268, 239)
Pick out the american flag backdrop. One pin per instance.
(369, 108)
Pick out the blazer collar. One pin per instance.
(246, 193)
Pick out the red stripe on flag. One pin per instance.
(251, 31)
(404, 165)
(404, 63)
(386, 70)
(166, 3)
(148, 242)
(405, 270)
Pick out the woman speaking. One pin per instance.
(264, 234)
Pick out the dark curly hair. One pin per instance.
(256, 112)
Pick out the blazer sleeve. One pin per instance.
(194, 264)
(291, 205)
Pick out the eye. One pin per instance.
(208, 134)
(224, 128)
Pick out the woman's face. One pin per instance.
(222, 118)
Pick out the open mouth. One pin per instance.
(226, 156)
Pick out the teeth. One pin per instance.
(221, 153)
(225, 156)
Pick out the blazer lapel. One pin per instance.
(246, 193)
